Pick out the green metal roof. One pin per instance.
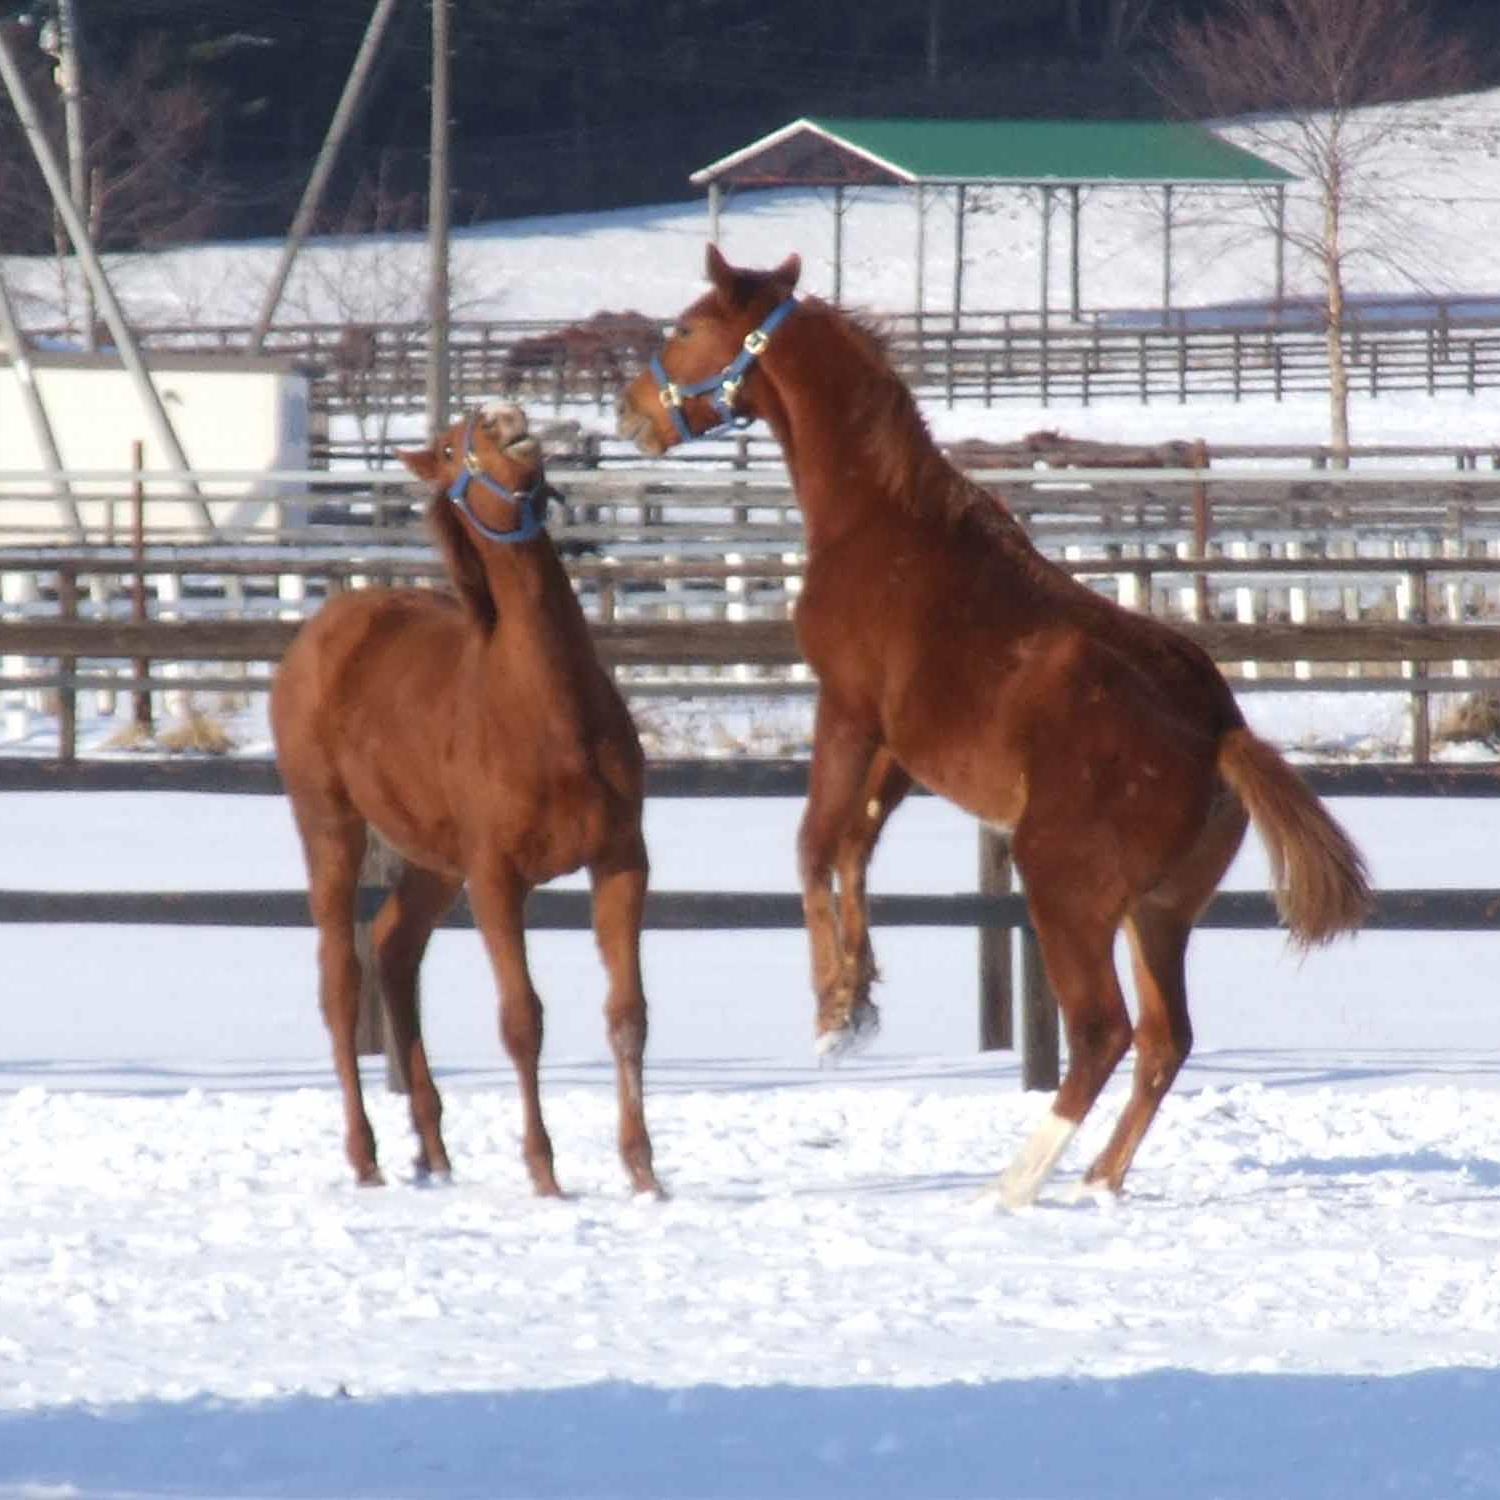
(822, 150)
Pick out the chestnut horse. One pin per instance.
(950, 652)
(483, 740)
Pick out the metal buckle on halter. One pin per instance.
(756, 341)
(670, 395)
(731, 390)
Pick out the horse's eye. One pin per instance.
(680, 330)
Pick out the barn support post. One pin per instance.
(1075, 276)
(958, 256)
(920, 305)
(1280, 248)
(838, 245)
(1166, 252)
(1044, 276)
(715, 210)
(93, 270)
(996, 989)
(312, 195)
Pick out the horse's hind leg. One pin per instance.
(1163, 1034)
(401, 931)
(498, 898)
(334, 843)
(1075, 926)
(619, 905)
(1159, 926)
(841, 760)
(886, 786)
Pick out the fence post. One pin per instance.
(372, 1033)
(141, 698)
(1040, 1051)
(996, 988)
(67, 693)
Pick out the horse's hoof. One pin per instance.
(853, 1036)
(424, 1176)
(371, 1177)
(830, 1046)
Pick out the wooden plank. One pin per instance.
(669, 778)
(719, 911)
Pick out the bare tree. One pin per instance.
(1309, 77)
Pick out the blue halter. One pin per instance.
(722, 389)
(532, 503)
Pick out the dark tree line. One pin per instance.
(205, 115)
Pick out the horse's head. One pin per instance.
(704, 377)
(489, 466)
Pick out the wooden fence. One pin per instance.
(1012, 1004)
(690, 578)
(370, 367)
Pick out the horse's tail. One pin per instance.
(1318, 877)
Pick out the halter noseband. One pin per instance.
(531, 503)
(722, 389)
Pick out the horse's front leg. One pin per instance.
(619, 904)
(334, 846)
(401, 933)
(843, 750)
(498, 898)
(886, 786)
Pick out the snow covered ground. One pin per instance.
(1299, 1297)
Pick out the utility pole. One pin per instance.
(312, 196)
(438, 392)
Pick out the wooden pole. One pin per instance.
(138, 610)
(372, 1033)
(996, 990)
(67, 697)
(1039, 1032)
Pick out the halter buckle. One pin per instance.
(756, 341)
(670, 395)
(731, 389)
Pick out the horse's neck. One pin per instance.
(540, 620)
(853, 443)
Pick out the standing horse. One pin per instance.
(481, 737)
(949, 651)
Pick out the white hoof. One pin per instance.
(1019, 1184)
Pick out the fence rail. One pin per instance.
(380, 367)
(998, 912)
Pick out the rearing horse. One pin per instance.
(949, 651)
(484, 741)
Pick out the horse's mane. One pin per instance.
(461, 558)
(904, 461)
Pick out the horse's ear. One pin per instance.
(720, 272)
(423, 462)
(785, 275)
